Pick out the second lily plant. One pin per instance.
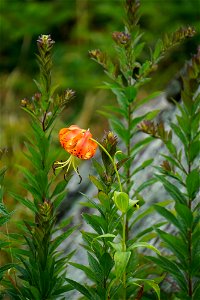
(117, 269)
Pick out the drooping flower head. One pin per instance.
(79, 143)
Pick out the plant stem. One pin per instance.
(190, 288)
(124, 250)
(112, 160)
(123, 215)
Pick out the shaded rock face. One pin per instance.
(153, 194)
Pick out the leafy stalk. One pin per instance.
(184, 245)
(40, 267)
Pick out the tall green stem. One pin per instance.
(124, 225)
(113, 163)
(124, 250)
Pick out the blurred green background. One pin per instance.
(77, 26)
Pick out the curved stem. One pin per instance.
(113, 162)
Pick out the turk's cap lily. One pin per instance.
(77, 142)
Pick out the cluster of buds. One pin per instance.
(27, 104)
(185, 32)
(24, 102)
(45, 42)
(32, 104)
(148, 127)
(178, 36)
(110, 144)
(69, 94)
(132, 7)
(155, 130)
(36, 97)
(99, 56)
(65, 97)
(166, 166)
(193, 67)
(45, 214)
(121, 38)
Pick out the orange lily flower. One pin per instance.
(79, 143)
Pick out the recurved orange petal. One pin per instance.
(85, 148)
(77, 142)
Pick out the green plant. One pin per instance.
(40, 267)
(116, 269)
(180, 176)
(114, 265)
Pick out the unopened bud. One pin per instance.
(69, 94)
(96, 53)
(166, 166)
(24, 102)
(45, 42)
(99, 56)
(121, 38)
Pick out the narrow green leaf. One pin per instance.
(106, 235)
(120, 130)
(185, 214)
(58, 200)
(158, 49)
(140, 145)
(79, 287)
(4, 244)
(96, 267)
(85, 269)
(180, 134)
(171, 267)
(176, 245)
(100, 186)
(96, 223)
(106, 263)
(116, 246)
(56, 242)
(143, 244)
(25, 202)
(98, 167)
(147, 183)
(154, 286)
(167, 215)
(130, 92)
(104, 199)
(35, 292)
(63, 289)
(176, 194)
(30, 178)
(121, 260)
(193, 183)
(145, 164)
(194, 150)
(2, 173)
(3, 209)
(59, 188)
